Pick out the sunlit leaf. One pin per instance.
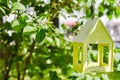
(29, 30)
(57, 42)
(2, 10)
(117, 12)
(18, 6)
(18, 24)
(111, 1)
(15, 25)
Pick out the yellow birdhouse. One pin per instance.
(86, 57)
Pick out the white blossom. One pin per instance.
(46, 1)
(9, 18)
(30, 11)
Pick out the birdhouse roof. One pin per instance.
(93, 31)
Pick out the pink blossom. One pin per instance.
(70, 23)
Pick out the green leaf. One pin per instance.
(110, 16)
(57, 41)
(18, 6)
(93, 57)
(2, 10)
(53, 75)
(101, 9)
(15, 25)
(88, 13)
(117, 12)
(22, 20)
(100, 13)
(111, 1)
(40, 35)
(18, 24)
(29, 30)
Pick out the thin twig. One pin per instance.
(56, 11)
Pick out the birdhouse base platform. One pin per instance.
(94, 67)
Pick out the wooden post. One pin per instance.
(111, 56)
(100, 54)
(84, 56)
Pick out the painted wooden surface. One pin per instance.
(93, 32)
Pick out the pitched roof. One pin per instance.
(89, 28)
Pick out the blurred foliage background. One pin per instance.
(32, 47)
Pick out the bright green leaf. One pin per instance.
(110, 16)
(93, 57)
(111, 1)
(40, 35)
(18, 24)
(57, 42)
(29, 30)
(2, 10)
(15, 25)
(18, 6)
(117, 12)
(50, 40)
(22, 20)
(101, 7)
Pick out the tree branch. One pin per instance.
(18, 71)
(60, 6)
(27, 60)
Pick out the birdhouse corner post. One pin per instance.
(100, 55)
(84, 57)
(78, 56)
(111, 57)
(75, 51)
